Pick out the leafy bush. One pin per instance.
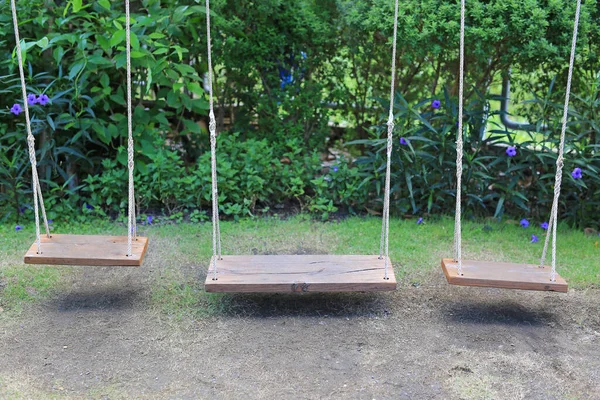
(75, 54)
(284, 72)
(423, 169)
(253, 177)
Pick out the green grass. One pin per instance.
(21, 284)
(181, 253)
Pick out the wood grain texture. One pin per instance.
(503, 275)
(300, 273)
(88, 250)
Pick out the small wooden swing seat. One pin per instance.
(503, 275)
(300, 273)
(88, 250)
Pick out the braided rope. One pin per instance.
(37, 193)
(131, 228)
(385, 224)
(548, 231)
(212, 127)
(459, 145)
(560, 159)
(42, 207)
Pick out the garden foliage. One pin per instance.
(285, 72)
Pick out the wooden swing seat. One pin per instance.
(300, 273)
(88, 250)
(503, 275)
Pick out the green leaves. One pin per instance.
(117, 38)
(105, 4)
(75, 53)
(77, 5)
(76, 68)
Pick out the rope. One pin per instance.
(459, 145)
(42, 207)
(548, 231)
(37, 193)
(560, 159)
(131, 228)
(385, 224)
(212, 127)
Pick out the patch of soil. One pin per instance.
(102, 338)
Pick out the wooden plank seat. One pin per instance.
(503, 275)
(87, 250)
(300, 273)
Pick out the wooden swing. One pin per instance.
(508, 275)
(299, 273)
(82, 249)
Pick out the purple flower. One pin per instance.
(32, 100)
(286, 78)
(524, 223)
(544, 225)
(43, 99)
(511, 151)
(50, 221)
(18, 228)
(576, 174)
(22, 210)
(403, 142)
(335, 168)
(419, 221)
(89, 207)
(16, 109)
(534, 239)
(436, 104)
(149, 219)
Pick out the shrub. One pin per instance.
(289, 69)
(423, 169)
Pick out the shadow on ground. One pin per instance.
(98, 299)
(508, 312)
(303, 305)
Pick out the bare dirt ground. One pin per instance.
(104, 337)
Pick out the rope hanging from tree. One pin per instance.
(37, 192)
(131, 224)
(459, 145)
(559, 161)
(212, 127)
(385, 224)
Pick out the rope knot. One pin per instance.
(212, 127)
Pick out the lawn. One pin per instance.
(152, 332)
(415, 250)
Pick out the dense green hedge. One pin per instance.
(285, 70)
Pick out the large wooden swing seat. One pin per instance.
(88, 250)
(300, 273)
(502, 275)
